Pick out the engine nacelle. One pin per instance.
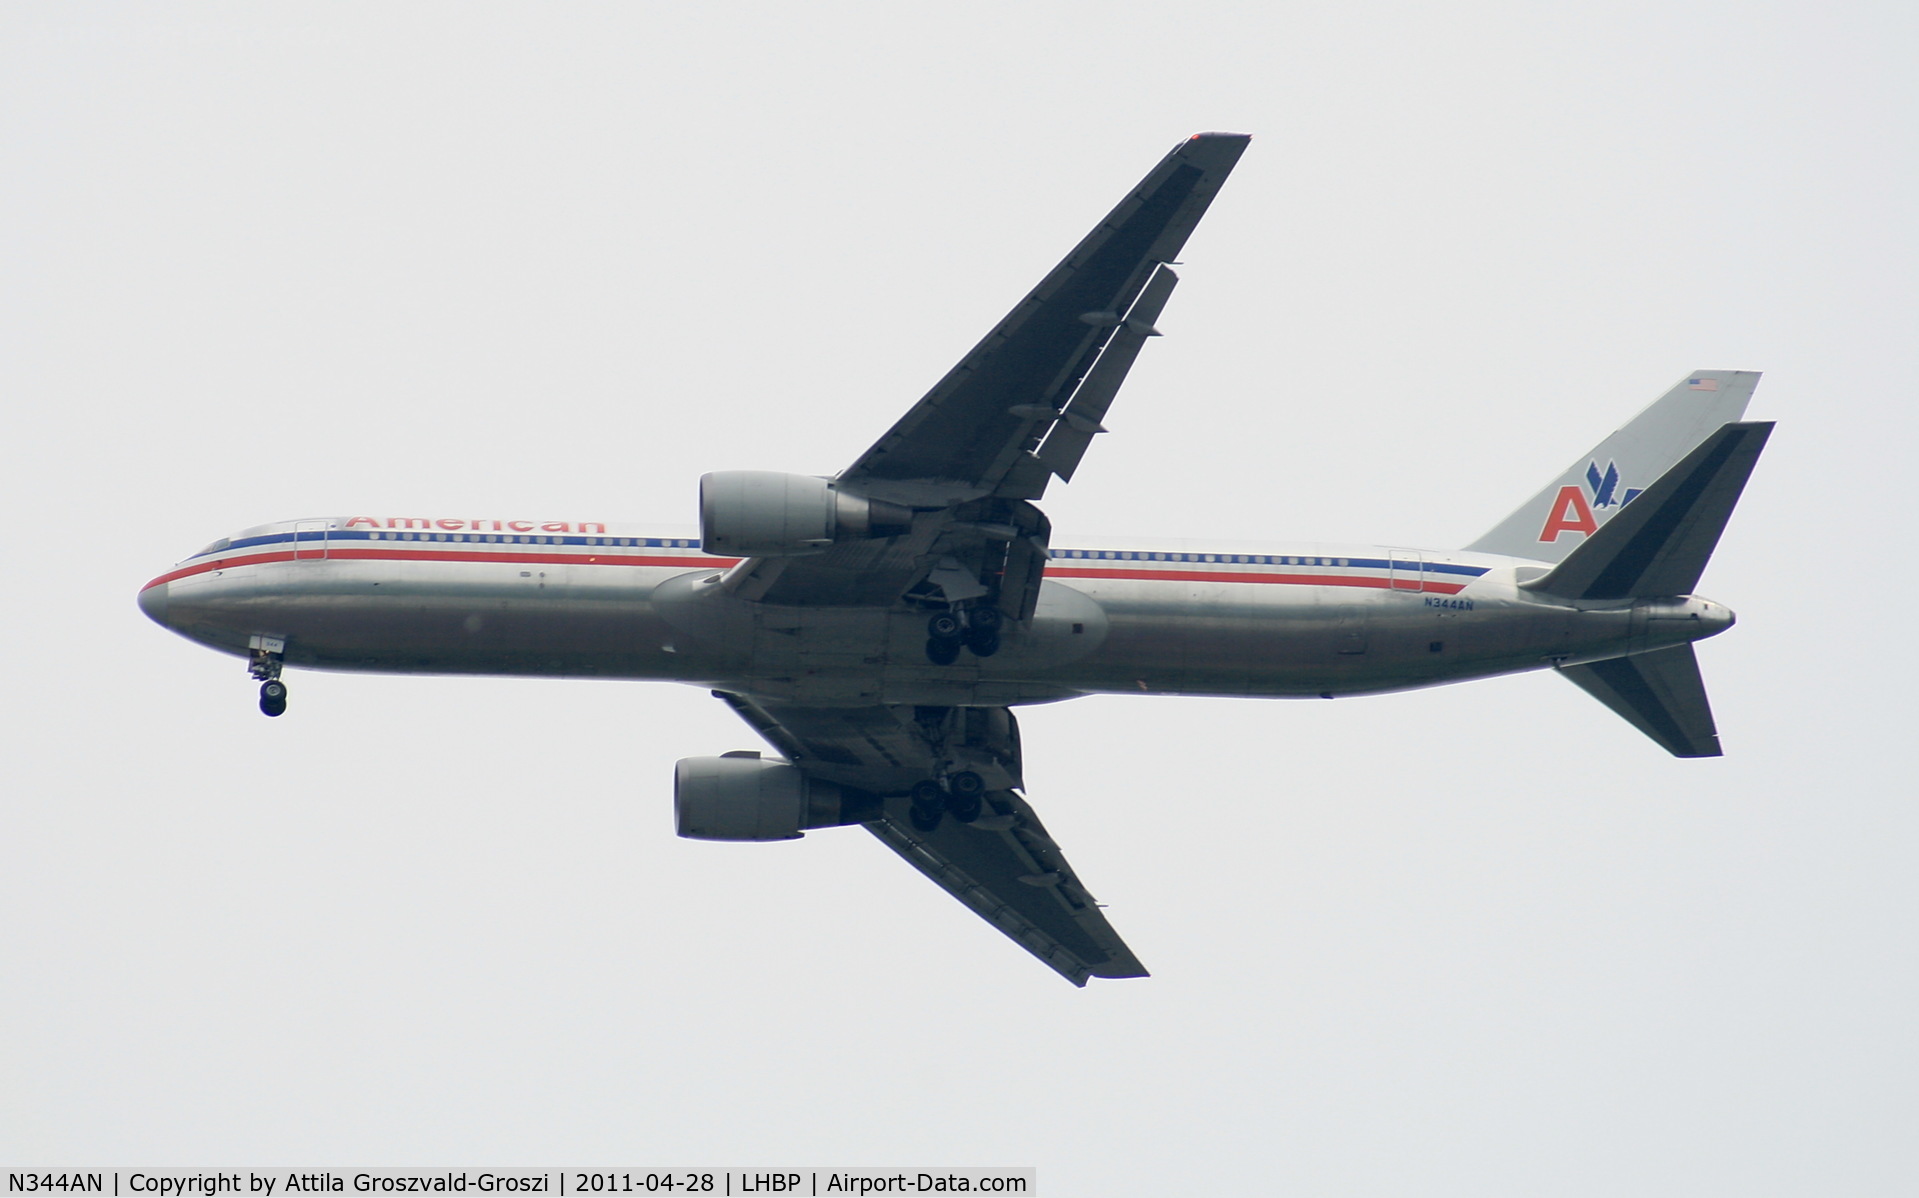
(758, 513)
(754, 798)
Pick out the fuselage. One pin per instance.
(592, 599)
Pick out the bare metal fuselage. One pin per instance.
(618, 603)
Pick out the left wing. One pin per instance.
(1020, 408)
(1002, 864)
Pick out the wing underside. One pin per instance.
(1015, 878)
(1003, 865)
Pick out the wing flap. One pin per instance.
(1082, 418)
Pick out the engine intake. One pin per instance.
(759, 513)
(751, 798)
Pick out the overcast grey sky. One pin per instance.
(267, 261)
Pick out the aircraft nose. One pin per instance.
(153, 601)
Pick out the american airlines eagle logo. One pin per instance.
(1571, 511)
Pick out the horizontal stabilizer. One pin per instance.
(1659, 544)
(1660, 693)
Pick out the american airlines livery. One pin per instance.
(878, 628)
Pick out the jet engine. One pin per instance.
(758, 513)
(746, 797)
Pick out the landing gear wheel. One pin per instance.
(928, 794)
(273, 697)
(942, 652)
(984, 619)
(966, 783)
(944, 626)
(924, 818)
(984, 642)
(964, 808)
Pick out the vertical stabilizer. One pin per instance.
(1660, 693)
(1553, 523)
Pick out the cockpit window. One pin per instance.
(216, 547)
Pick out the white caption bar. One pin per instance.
(564, 1183)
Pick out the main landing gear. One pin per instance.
(962, 796)
(977, 628)
(263, 662)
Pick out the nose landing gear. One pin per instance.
(263, 662)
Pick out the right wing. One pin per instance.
(1003, 865)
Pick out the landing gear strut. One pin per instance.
(263, 662)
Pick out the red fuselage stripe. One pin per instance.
(535, 559)
(697, 563)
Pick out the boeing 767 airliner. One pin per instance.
(878, 628)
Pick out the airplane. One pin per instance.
(878, 628)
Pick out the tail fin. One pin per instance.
(1594, 489)
(1657, 548)
(1660, 693)
(1660, 545)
